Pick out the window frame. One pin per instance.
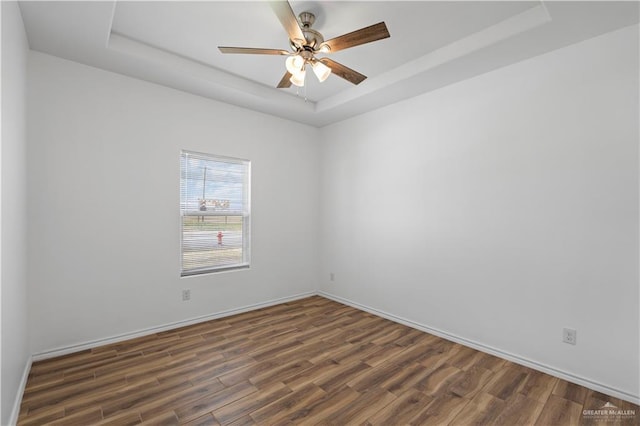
(245, 213)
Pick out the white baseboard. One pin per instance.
(582, 381)
(144, 332)
(15, 411)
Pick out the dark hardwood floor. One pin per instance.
(312, 361)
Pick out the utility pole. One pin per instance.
(203, 204)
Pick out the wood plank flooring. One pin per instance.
(312, 361)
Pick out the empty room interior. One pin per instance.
(310, 212)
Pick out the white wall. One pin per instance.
(13, 260)
(500, 209)
(104, 195)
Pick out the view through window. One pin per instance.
(215, 213)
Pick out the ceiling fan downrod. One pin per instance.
(313, 38)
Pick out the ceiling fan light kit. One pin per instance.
(305, 43)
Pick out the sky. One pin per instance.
(224, 181)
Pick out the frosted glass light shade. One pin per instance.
(324, 48)
(294, 64)
(321, 71)
(297, 78)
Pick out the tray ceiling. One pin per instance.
(432, 44)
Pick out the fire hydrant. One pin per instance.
(220, 238)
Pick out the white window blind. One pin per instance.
(215, 213)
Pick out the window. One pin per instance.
(215, 213)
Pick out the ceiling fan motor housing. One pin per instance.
(313, 37)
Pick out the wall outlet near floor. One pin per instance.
(332, 276)
(569, 335)
(186, 295)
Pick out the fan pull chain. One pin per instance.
(304, 95)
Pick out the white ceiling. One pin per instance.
(432, 44)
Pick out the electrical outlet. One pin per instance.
(186, 295)
(332, 277)
(569, 335)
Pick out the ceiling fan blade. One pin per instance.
(253, 50)
(285, 82)
(288, 19)
(356, 38)
(340, 70)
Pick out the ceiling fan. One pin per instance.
(306, 42)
